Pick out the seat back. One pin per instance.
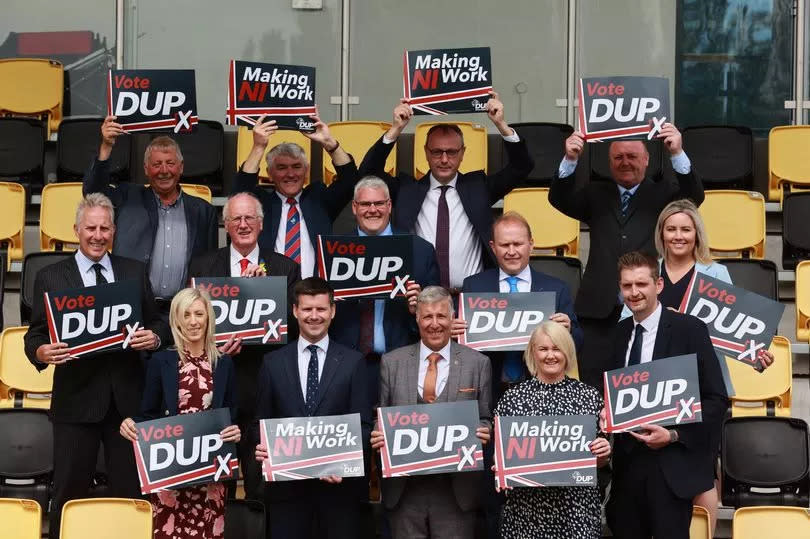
(22, 149)
(475, 141)
(12, 225)
(22, 519)
(356, 138)
(803, 301)
(244, 519)
(722, 154)
(735, 222)
(552, 230)
(795, 232)
(32, 87)
(758, 276)
(57, 215)
(761, 522)
(203, 154)
(21, 385)
(102, 518)
(766, 393)
(77, 146)
(31, 265)
(565, 268)
(546, 144)
(700, 527)
(244, 143)
(599, 156)
(200, 191)
(29, 451)
(787, 163)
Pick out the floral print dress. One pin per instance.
(199, 511)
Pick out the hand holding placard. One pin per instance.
(573, 145)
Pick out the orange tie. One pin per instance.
(244, 264)
(429, 389)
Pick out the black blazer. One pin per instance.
(136, 217)
(597, 204)
(478, 191)
(83, 389)
(687, 465)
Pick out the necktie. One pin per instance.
(243, 264)
(292, 241)
(100, 279)
(443, 237)
(513, 281)
(626, 196)
(432, 374)
(635, 350)
(513, 361)
(366, 326)
(312, 378)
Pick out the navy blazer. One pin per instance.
(162, 386)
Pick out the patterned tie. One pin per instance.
(292, 241)
(243, 264)
(513, 360)
(443, 237)
(431, 376)
(100, 279)
(626, 196)
(635, 350)
(312, 379)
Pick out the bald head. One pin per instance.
(628, 162)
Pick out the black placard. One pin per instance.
(503, 321)
(153, 99)
(622, 107)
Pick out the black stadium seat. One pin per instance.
(758, 276)
(795, 232)
(565, 268)
(79, 139)
(31, 266)
(722, 154)
(546, 142)
(244, 519)
(22, 150)
(203, 155)
(600, 161)
(26, 454)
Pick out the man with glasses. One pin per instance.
(449, 209)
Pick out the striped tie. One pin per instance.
(626, 196)
(292, 241)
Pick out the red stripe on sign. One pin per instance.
(211, 470)
(97, 345)
(406, 76)
(608, 407)
(687, 296)
(230, 114)
(49, 317)
(384, 457)
(321, 261)
(651, 418)
(500, 463)
(326, 459)
(478, 345)
(403, 469)
(277, 111)
(552, 466)
(156, 124)
(451, 96)
(109, 93)
(583, 126)
(363, 290)
(615, 133)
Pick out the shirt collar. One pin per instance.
(434, 183)
(632, 190)
(253, 255)
(174, 204)
(424, 351)
(386, 231)
(85, 263)
(524, 275)
(284, 198)
(323, 344)
(651, 322)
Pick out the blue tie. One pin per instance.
(312, 378)
(513, 281)
(513, 361)
(626, 196)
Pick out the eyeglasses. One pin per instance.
(249, 220)
(365, 205)
(452, 152)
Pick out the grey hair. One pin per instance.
(226, 210)
(371, 182)
(163, 143)
(94, 200)
(290, 149)
(434, 294)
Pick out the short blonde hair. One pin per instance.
(94, 200)
(701, 251)
(180, 304)
(561, 338)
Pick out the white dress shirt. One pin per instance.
(650, 331)
(88, 273)
(307, 249)
(524, 283)
(303, 360)
(236, 258)
(442, 366)
(680, 163)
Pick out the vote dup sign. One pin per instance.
(619, 107)
(254, 309)
(153, 99)
(284, 93)
(447, 81)
(366, 266)
(430, 439)
(664, 392)
(183, 450)
(549, 451)
(311, 447)
(96, 318)
(503, 321)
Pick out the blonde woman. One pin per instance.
(190, 378)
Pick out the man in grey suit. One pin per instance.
(435, 369)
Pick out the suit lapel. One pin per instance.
(454, 376)
(191, 231)
(634, 200)
(151, 209)
(275, 219)
(293, 378)
(537, 284)
(622, 339)
(413, 374)
(171, 381)
(73, 276)
(222, 262)
(662, 336)
(330, 367)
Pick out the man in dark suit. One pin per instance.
(243, 218)
(621, 215)
(157, 225)
(92, 395)
(449, 209)
(658, 471)
(295, 215)
(313, 376)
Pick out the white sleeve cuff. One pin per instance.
(567, 167)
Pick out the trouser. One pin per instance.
(597, 347)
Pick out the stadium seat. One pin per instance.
(565, 268)
(735, 223)
(546, 143)
(202, 154)
(200, 191)
(21, 385)
(12, 225)
(600, 160)
(32, 87)
(787, 159)
(758, 276)
(57, 215)
(356, 138)
(767, 393)
(31, 265)
(552, 230)
(103, 518)
(2, 286)
(700, 527)
(244, 143)
(803, 301)
(723, 154)
(77, 147)
(26, 454)
(22, 149)
(795, 232)
(475, 141)
(22, 519)
(244, 519)
(770, 522)
(764, 462)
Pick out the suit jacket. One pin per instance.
(84, 388)
(478, 191)
(162, 386)
(136, 216)
(469, 369)
(342, 390)
(597, 204)
(687, 465)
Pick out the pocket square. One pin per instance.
(467, 390)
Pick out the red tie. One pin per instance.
(292, 240)
(244, 264)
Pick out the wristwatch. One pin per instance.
(673, 436)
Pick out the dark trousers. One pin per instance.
(597, 347)
(428, 509)
(75, 454)
(327, 512)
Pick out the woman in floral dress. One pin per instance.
(188, 379)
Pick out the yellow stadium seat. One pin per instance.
(551, 229)
(32, 87)
(103, 518)
(787, 159)
(356, 138)
(803, 301)
(765, 393)
(771, 522)
(244, 143)
(197, 190)
(735, 223)
(475, 142)
(21, 385)
(57, 215)
(700, 527)
(12, 225)
(22, 519)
